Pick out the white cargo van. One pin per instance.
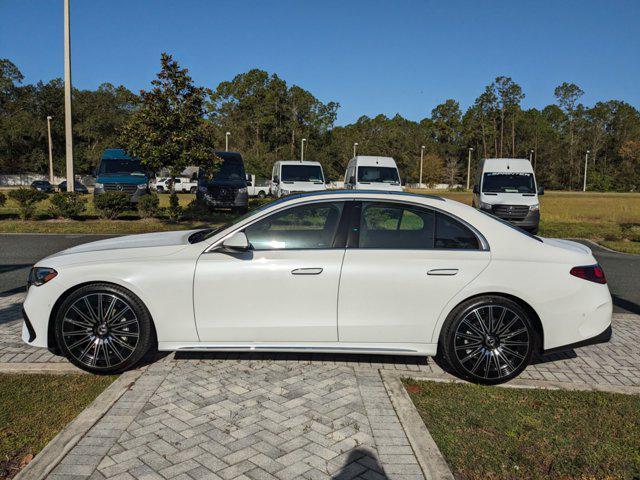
(507, 188)
(372, 173)
(293, 176)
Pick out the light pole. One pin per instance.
(50, 150)
(226, 141)
(68, 126)
(421, 158)
(302, 142)
(586, 159)
(469, 168)
(531, 156)
(355, 148)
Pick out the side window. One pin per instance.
(395, 226)
(303, 227)
(451, 233)
(177, 180)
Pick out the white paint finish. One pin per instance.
(370, 161)
(256, 296)
(388, 296)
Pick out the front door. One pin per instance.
(284, 289)
(408, 263)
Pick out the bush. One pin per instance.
(26, 199)
(174, 210)
(148, 205)
(112, 204)
(3, 199)
(67, 204)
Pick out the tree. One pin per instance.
(567, 96)
(168, 129)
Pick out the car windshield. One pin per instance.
(229, 169)
(496, 182)
(378, 174)
(120, 165)
(302, 173)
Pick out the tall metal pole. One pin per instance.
(355, 148)
(469, 168)
(50, 150)
(421, 158)
(68, 125)
(302, 149)
(226, 141)
(586, 158)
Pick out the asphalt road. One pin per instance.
(20, 251)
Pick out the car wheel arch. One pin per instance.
(535, 318)
(52, 343)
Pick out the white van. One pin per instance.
(372, 173)
(293, 176)
(507, 188)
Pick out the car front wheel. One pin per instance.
(103, 328)
(488, 340)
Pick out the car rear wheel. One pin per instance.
(103, 328)
(488, 340)
(262, 195)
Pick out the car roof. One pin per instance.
(358, 193)
(297, 162)
(506, 164)
(371, 160)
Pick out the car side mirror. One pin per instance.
(248, 183)
(476, 189)
(276, 179)
(236, 243)
(403, 182)
(352, 179)
(540, 190)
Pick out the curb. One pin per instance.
(430, 459)
(61, 368)
(610, 250)
(47, 459)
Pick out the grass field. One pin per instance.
(505, 433)
(611, 219)
(34, 408)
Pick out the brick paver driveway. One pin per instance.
(279, 416)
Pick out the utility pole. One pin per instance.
(226, 141)
(50, 150)
(531, 156)
(469, 168)
(302, 142)
(421, 158)
(586, 159)
(355, 148)
(68, 125)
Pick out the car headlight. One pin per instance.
(98, 185)
(40, 275)
(534, 208)
(485, 206)
(242, 190)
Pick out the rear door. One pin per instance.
(402, 265)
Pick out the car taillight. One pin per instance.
(593, 273)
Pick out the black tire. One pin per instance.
(262, 195)
(193, 190)
(481, 345)
(114, 344)
(160, 189)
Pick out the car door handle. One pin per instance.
(443, 271)
(306, 271)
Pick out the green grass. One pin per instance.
(505, 433)
(34, 408)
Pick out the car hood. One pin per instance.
(567, 245)
(510, 199)
(122, 248)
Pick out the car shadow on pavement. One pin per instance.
(361, 463)
(627, 305)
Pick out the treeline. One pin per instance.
(268, 118)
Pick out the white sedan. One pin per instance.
(338, 271)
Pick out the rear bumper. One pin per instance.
(603, 337)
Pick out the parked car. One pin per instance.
(507, 188)
(182, 185)
(224, 187)
(119, 172)
(255, 190)
(341, 271)
(294, 176)
(43, 186)
(77, 186)
(372, 173)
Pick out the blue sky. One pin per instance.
(370, 56)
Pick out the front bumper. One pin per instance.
(240, 200)
(135, 196)
(531, 220)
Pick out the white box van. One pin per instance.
(372, 173)
(507, 188)
(293, 176)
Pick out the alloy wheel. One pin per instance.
(100, 330)
(491, 342)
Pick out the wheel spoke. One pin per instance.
(126, 323)
(468, 346)
(80, 342)
(468, 336)
(480, 321)
(475, 352)
(77, 323)
(90, 321)
(477, 364)
(109, 311)
(90, 311)
(473, 329)
(119, 315)
(513, 353)
(498, 324)
(105, 352)
(121, 343)
(509, 335)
